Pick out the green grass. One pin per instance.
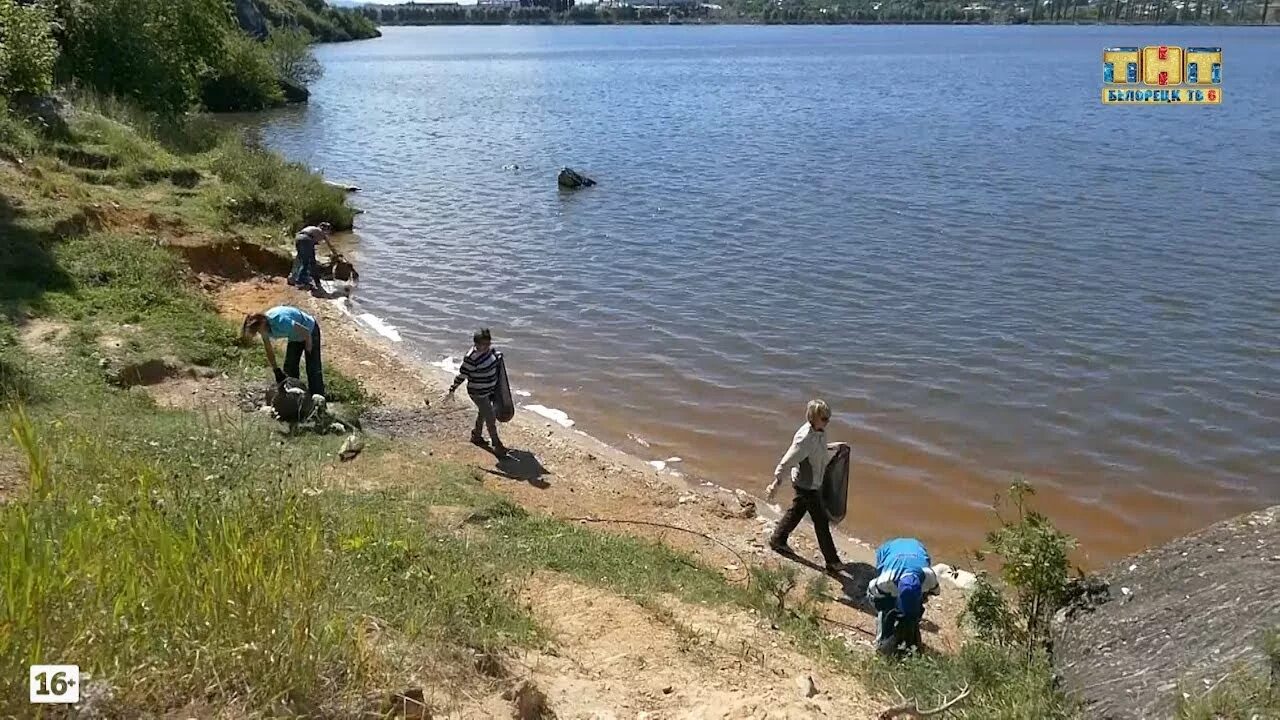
(1242, 694)
(1003, 684)
(269, 191)
(159, 550)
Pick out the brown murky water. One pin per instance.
(939, 230)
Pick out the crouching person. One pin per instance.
(903, 584)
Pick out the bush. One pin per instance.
(1034, 567)
(291, 56)
(244, 80)
(27, 49)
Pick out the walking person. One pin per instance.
(306, 271)
(806, 461)
(904, 581)
(480, 372)
(302, 333)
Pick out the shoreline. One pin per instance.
(967, 503)
(580, 476)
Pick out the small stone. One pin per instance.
(807, 688)
(686, 499)
(1222, 550)
(1132, 568)
(1126, 591)
(668, 690)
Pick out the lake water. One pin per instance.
(940, 230)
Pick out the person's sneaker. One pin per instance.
(500, 450)
(781, 548)
(478, 440)
(836, 568)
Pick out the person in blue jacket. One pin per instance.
(302, 335)
(904, 581)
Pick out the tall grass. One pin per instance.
(267, 190)
(17, 139)
(173, 561)
(1003, 683)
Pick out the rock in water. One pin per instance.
(571, 179)
(293, 92)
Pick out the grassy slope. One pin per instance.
(180, 556)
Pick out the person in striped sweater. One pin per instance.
(480, 372)
(904, 582)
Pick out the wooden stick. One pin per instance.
(912, 710)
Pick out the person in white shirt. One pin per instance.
(806, 461)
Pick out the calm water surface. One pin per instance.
(940, 230)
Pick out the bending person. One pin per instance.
(303, 335)
(806, 461)
(306, 270)
(904, 582)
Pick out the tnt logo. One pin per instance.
(1204, 66)
(1120, 65)
(1162, 65)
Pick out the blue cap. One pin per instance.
(910, 604)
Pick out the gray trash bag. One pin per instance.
(290, 401)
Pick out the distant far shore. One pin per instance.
(823, 12)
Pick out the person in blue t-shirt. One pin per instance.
(302, 333)
(904, 581)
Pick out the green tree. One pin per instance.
(27, 49)
(245, 78)
(291, 56)
(155, 52)
(1035, 568)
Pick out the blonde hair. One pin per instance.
(817, 410)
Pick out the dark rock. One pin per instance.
(47, 111)
(293, 92)
(251, 19)
(571, 179)
(1171, 617)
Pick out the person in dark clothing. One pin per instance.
(480, 372)
(303, 335)
(806, 461)
(306, 271)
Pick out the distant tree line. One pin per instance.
(1225, 12)
(320, 20)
